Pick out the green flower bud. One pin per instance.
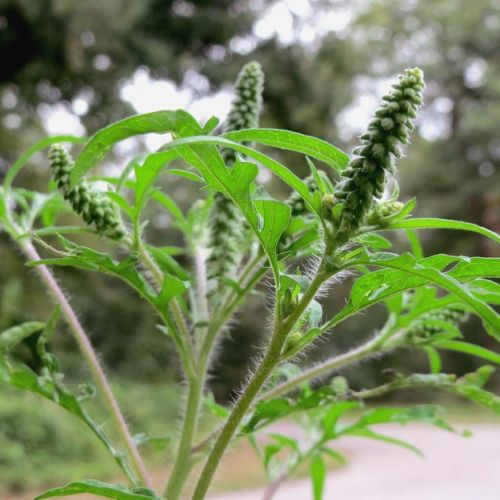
(292, 340)
(364, 179)
(93, 206)
(422, 332)
(287, 304)
(340, 386)
(246, 107)
(61, 165)
(382, 211)
(296, 202)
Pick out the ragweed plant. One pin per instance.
(328, 227)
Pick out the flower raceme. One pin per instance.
(94, 207)
(227, 226)
(433, 323)
(363, 180)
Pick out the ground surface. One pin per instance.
(454, 468)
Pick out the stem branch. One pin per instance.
(91, 358)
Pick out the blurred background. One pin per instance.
(73, 67)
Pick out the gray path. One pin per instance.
(454, 468)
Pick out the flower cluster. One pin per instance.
(364, 179)
(227, 226)
(432, 323)
(93, 206)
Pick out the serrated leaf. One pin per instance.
(213, 171)
(405, 272)
(293, 141)
(106, 490)
(50, 387)
(268, 218)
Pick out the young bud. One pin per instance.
(380, 212)
(364, 178)
(340, 386)
(296, 202)
(422, 332)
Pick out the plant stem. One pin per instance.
(92, 360)
(322, 369)
(184, 341)
(183, 463)
(260, 376)
(265, 368)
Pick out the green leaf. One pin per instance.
(147, 173)
(373, 241)
(99, 144)
(268, 218)
(115, 491)
(215, 408)
(434, 223)
(293, 141)
(172, 287)
(158, 196)
(213, 173)
(26, 156)
(486, 290)
(275, 217)
(470, 387)
(415, 245)
(368, 433)
(472, 349)
(86, 258)
(191, 176)
(12, 336)
(334, 413)
(317, 472)
(448, 281)
(404, 272)
(49, 385)
(266, 412)
(384, 414)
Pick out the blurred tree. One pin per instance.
(79, 54)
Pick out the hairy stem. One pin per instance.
(183, 463)
(260, 376)
(322, 369)
(92, 360)
(184, 341)
(265, 368)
